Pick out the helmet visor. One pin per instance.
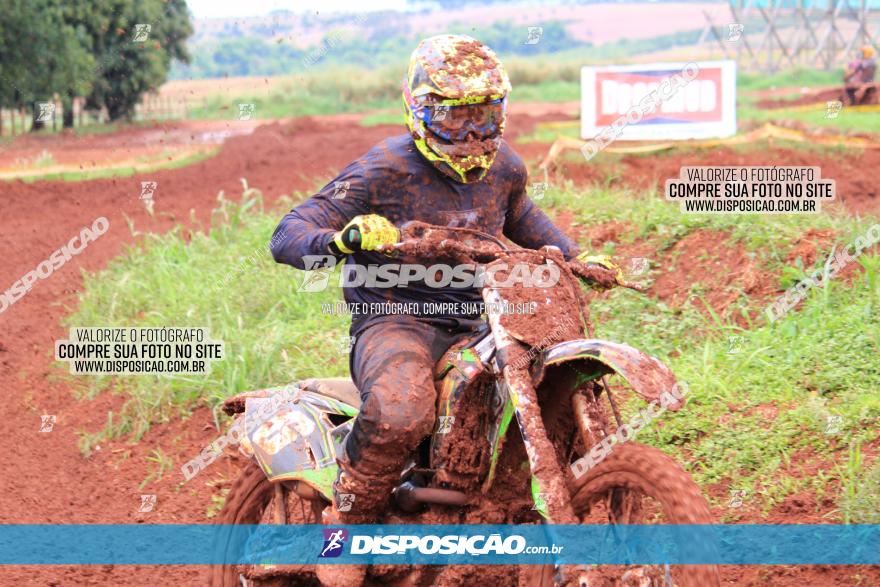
(466, 121)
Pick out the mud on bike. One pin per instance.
(544, 371)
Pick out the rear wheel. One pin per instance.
(638, 484)
(252, 500)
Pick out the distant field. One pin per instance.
(595, 23)
(338, 90)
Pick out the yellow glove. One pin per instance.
(366, 233)
(603, 261)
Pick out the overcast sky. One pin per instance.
(238, 8)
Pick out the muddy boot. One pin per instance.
(349, 486)
(339, 575)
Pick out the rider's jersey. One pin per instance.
(865, 71)
(395, 181)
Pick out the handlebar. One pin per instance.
(419, 239)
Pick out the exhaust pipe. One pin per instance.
(410, 497)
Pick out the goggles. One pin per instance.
(457, 123)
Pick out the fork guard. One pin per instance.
(648, 377)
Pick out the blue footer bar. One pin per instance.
(202, 544)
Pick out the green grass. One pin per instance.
(652, 217)
(794, 78)
(163, 464)
(547, 133)
(552, 91)
(118, 171)
(846, 121)
(860, 499)
(384, 117)
(816, 362)
(91, 126)
(224, 279)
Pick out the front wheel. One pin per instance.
(638, 484)
(252, 500)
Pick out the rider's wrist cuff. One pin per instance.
(339, 245)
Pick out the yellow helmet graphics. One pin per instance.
(455, 100)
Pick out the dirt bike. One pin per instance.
(541, 368)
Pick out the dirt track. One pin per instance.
(43, 477)
(857, 187)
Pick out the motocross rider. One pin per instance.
(452, 169)
(859, 76)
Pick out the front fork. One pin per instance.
(548, 481)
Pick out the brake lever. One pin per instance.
(392, 250)
(634, 286)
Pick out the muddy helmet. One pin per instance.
(455, 99)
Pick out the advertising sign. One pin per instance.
(660, 101)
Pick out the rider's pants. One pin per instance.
(392, 364)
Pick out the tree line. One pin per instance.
(109, 52)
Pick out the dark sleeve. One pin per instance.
(310, 226)
(526, 224)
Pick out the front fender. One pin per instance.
(646, 375)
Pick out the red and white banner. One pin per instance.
(659, 101)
